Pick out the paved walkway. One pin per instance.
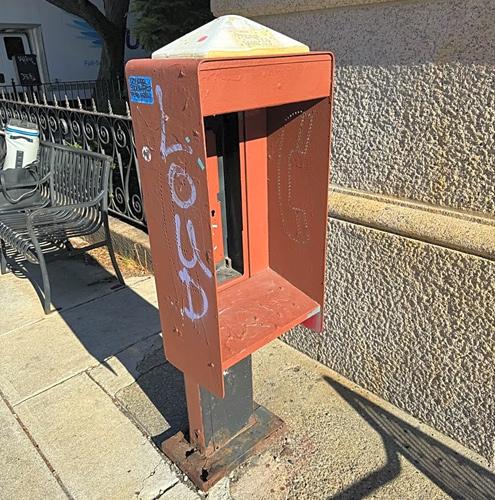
(86, 396)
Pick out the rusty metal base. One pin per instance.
(205, 470)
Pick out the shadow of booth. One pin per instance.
(120, 329)
(457, 476)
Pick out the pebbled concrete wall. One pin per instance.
(410, 313)
(415, 95)
(414, 323)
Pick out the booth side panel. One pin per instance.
(170, 143)
(298, 167)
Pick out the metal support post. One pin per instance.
(223, 433)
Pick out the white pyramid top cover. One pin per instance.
(230, 36)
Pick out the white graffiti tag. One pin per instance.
(189, 263)
(178, 171)
(178, 177)
(190, 283)
(164, 149)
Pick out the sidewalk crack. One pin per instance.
(36, 447)
(161, 491)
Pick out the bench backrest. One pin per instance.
(71, 175)
(77, 176)
(44, 163)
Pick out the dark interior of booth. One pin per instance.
(224, 145)
(297, 177)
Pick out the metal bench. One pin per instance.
(77, 205)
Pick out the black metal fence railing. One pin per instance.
(105, 132)
(92, 95)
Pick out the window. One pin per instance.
(13, 46)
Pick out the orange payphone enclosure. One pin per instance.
(234, 162)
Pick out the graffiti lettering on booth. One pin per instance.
(177, 156)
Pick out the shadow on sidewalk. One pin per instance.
(114, 321)
(456, 475)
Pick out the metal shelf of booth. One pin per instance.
(257, 310)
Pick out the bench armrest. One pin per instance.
(57, 215)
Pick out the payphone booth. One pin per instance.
(234, 163)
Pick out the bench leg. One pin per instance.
(3, 258)
(112, 252)
(47, 299)
(47, 294)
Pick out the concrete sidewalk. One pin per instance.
(86, 397)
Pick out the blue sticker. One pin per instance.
(141, 89)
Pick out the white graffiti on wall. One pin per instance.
(177, 173)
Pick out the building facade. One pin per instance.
(411, 272)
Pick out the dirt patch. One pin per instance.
(100, 257)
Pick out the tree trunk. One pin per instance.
(113, 51)
(110, 25)
(112, 57)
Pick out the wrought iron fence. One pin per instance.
(89, 94)
(109, 133)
